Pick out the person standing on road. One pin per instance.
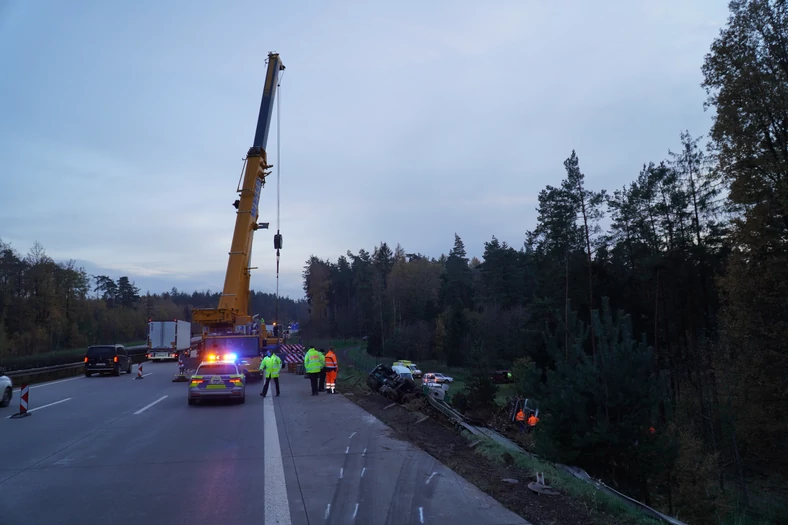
(331, 371)
(271, 364)
(321, 379)
(314, 362)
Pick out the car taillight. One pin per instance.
(196, 381)
(235, 380)
(86, 359)
(116, 359)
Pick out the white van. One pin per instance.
(403, 371)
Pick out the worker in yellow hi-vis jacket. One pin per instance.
(270, 365)
(314, 362)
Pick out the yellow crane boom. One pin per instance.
(232, 316)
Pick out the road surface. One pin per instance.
(117, 450)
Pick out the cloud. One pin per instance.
(402, 122)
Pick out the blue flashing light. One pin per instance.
(231, 357)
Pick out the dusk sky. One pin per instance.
(123, 125)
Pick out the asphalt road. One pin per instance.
(116, 450)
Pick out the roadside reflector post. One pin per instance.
(139, 372)
(24, 393)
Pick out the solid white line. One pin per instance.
(145, 375)
(429, 478)
(51, 383)
(421, 514)
(49, 405)
(351, 435)
(347, 450)
(365, 452)
(355, 511)
(341, 472)
(143, 409)
(362, 471)
(277, 506)
(328, 511)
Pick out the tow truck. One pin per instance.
(229, 329)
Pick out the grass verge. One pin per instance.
(589, 505)
(594, 500)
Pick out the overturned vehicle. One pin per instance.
(391, 383)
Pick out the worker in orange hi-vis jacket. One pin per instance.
(331, 371)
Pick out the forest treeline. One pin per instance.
(657, 348)
(46, 305)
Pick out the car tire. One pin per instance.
(192, 402)
(116, 371)
(128, 368)
(6, 400)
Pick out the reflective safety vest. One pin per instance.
(532, 421)
(272, 365)
(331, 361)
(520, 416)
(314, 361)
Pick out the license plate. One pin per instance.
(100, 364)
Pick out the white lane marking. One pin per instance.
(421, 514)
(429, 478)
(51, 383)
(355, 511)
(351, 435)
(347, 450)
(49, 405)
(341, 472)
(277, 506)
(143, 409)
(365, 453)
(146, 375)
(362, 471)
(328, 511)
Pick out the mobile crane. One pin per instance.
(229, 331)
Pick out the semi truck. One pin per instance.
(167, 339)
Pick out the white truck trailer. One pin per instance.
(167, 339)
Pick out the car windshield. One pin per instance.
(217, 369)
(101, 352)
(439, 375)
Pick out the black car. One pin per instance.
(104, 359)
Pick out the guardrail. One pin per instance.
(56, 368)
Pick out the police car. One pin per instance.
(217, 379)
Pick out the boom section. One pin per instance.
(233, 308)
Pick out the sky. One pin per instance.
(123, 125)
